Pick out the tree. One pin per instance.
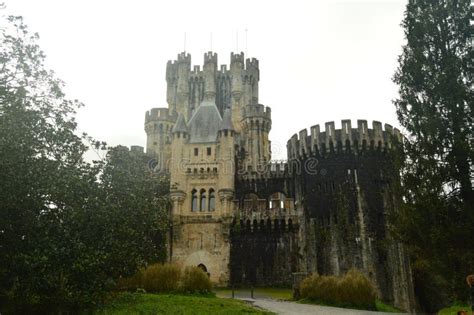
(435, 106)
(68, 229)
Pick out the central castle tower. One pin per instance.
(247, 220)
(212, 117)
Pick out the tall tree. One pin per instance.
(435, 106)
(68, 229)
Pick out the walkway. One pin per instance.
(293, 308)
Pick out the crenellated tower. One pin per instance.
(256, 125)
(159, 123)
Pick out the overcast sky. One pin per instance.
(319, 60)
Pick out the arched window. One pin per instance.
(194, 201)
(212, 200)
(203, 200)
(277, 200)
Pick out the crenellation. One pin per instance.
(184, 58)
(159, 114)
(196, 70)
(256, 110)
(210, 57)
(251, 63)
(346, 138)
(237, 60)
(330, 132)
(303, 148)
(137, 149)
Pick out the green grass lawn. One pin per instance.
(143, 304)
(452, 310)
(274, 293)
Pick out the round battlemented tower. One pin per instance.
(158, 125)
(347, 187)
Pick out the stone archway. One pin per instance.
(203, 267)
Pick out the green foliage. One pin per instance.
(159, 278)
(69, 229)
(382, 307)
(168, 278)
(435, 106)
(453, 309)
(195, 280)
(351, 290)
(128, 303)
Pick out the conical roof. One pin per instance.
(180, 125)
(226, 123)
(204, 123)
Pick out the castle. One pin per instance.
(247, 220)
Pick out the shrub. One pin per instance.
(195, 281)
(161, 278)
(352, 289)
(356, 289)
(131, 283)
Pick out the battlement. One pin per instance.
(272, 169)
(196, 70)
(251, 63)
(256, 110)
(184, 58)
(236, 58)
(137, 149)
(159, 114)
(346, 138)
(210, 57)
(267, 223)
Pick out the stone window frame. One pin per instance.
(211, 200)
(194, 201)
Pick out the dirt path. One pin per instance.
(292, 308)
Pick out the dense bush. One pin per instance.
(352, 289)
(195, 281)
(165, 278)
(161, 278)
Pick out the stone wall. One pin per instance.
(263, 253)
(347, 194)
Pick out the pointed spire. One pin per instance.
(180, 125)
(226, 123)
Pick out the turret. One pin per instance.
(254, 74)
(238, 99)
(158, 125)
(256, 125)
(210, 69)
(180, 137)
(182, 88)
(226, 140)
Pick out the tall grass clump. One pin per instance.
(195, 280)
(167, 278)
(158, 278)
(353, 289)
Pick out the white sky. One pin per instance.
(319, 60)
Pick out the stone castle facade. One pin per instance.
(247, 220)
